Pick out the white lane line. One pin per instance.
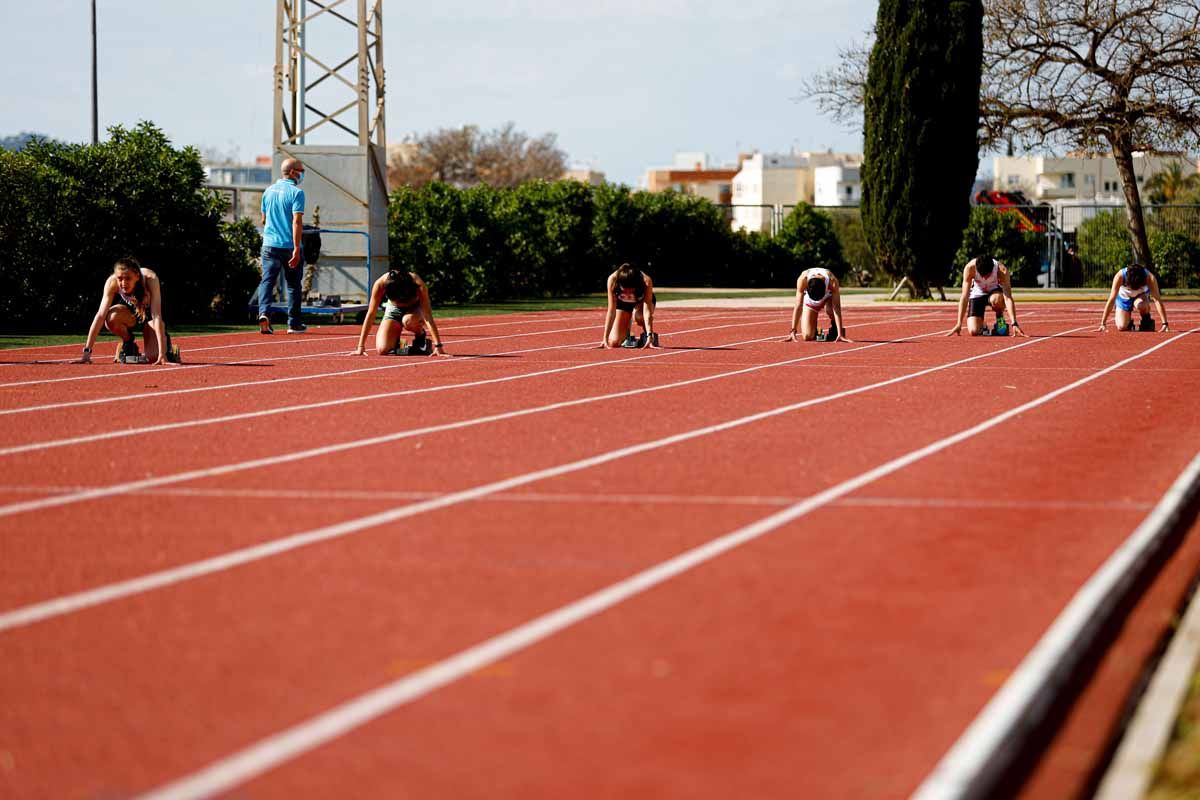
(576, 498)
(123, 488)
(978, 759)
(167, 426)
(292, 742)
(135, 372)
(296, 340)
(273, 381)
(73, 602)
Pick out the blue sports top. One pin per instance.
(280, 202)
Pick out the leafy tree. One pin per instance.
(920, 124)
(20, 140)
(1176, 259)
(860, 261)
(681, 240)
(1172, 185)
(997, 233)
(809, 236)
(67, 212)
(1103, 246)
(1123, 73)
(463, 157)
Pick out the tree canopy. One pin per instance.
(465, 157)
(920, 120)
(1122, 76)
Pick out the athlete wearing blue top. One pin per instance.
(283, 227)
(1132, 290)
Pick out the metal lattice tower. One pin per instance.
(294, 73)
(328, 83)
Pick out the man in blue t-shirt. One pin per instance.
(283, 227)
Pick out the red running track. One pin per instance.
(839, 653)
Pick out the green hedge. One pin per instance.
(998, 234)
(67, 212)
(563, 238)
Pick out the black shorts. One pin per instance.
(980, 304)
(623, 306)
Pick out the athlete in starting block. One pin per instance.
(131, 303)
(405, 301)
(817, 289)
(630, 299)
(1132, 290)
(986, 282)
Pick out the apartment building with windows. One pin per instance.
(1079, 178)
(765, 181)
(692, 173)
(837, 185)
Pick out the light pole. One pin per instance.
(95, 109)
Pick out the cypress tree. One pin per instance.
(920, 131)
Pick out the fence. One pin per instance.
(1084, 245)
(241, 201)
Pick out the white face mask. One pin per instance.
(299, 179)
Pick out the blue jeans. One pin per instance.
(275, 260)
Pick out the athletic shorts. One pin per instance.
(1126, 303)
(979, 304)
(397, 314)
(629, 307)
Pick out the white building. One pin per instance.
(768, 185)
(837, 186)
(1079, 178)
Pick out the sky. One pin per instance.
(622, 84)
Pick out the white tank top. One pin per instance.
(981, 286)
(1125, 293)
(819, 272)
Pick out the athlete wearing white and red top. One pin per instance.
(986, 282)
(1133, 288)
(630, 299)
(817, 289)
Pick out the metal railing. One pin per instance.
(241, 201)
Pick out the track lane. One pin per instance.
(472, 453)
(706, 515)
(567, 750)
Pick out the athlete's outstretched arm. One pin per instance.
(1112, 298)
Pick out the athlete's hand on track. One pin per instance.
(1017, 330)
(1103, 328)
(86, 358)
(954, 331)
(161, 360)
(842, 338)
(791, 337)
(1165, 328)
(358, 351)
